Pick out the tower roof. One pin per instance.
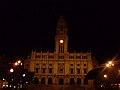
(61, 24)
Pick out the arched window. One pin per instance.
(78, 81)
(43, 81)
(49, 80)
(71, 81)
(61, 81)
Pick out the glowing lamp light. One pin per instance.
(19, 61)
(21, 64)
(10, 86)
(105, 76)
(3, 79)
(107, 65)
(16, 64)
(110, 62)
(23, 75)
(11, 70)
(26, 81)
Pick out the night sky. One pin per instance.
(27, 25)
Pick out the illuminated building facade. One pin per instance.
(61, 67)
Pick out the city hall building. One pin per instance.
(61, 67)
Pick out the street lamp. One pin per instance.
(109, 64)
(105, 75)
(11, 70)
(23, 75)
(18, 63)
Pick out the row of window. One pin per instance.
(72, 71)
(61, 57)
(70, 64)
(50, 70)
(77, 64)
(60, 81)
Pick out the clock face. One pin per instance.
(61, 41)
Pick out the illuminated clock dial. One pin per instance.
(61, 41)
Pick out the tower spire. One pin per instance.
(61, 25)
(61, 38)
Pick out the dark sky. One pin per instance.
(31, 24)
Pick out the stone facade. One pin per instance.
(61, 67)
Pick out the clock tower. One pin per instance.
(61, 38)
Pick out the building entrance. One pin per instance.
(61, 81)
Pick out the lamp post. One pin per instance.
(18, 63)
(15, 73)
(11, 78)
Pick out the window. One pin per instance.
(50, 57)
(71, 71)
(61, 33)
(43, 70)
(85, 71)
(84, 64)
(61, 70)
(61, 57)
(36, 70)
(78, 71)
(50, 64)
(50, 70)
(37, 64)
(84, 57)
(71, 57)
(77, 57)
(71, 64)
(37, 56)
(78, 64)
(44, 56)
